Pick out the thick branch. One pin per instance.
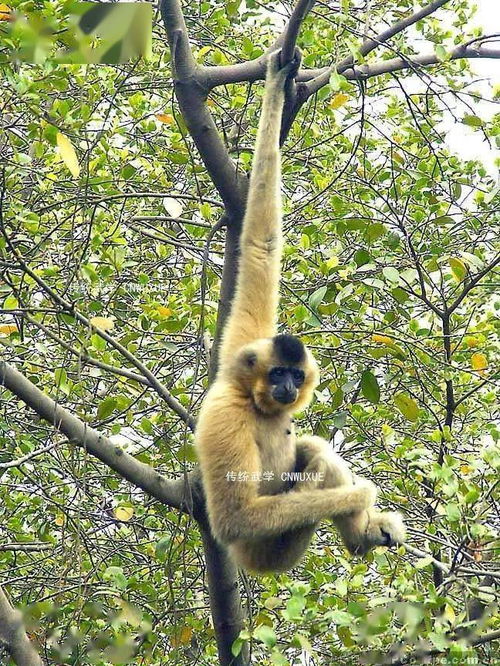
(191, 92)
(363, 72)
(225, 603)
(288, 39)
(255, 69)
(398, 64)
(14, 636)
(171, 493)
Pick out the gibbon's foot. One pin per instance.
(294, 63)
(371, 528)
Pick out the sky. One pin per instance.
(461, 139)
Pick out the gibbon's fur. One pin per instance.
(245, 433)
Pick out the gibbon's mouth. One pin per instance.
(284, 397)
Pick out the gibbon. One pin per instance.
(245, 434)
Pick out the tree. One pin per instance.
(111, 282)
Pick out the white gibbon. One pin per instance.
(245, 435)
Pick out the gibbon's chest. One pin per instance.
(276, 441)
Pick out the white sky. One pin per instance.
(461, 139)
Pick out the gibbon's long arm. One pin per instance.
(254, 308)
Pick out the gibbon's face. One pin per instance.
(280, 373)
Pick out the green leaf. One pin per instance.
(10, 303)
(340, 617)
(316, 297)
(266, 635)
(407, 406)
(116, 577)
(391, 274)
(362, 257)
(374, 231)
(453, 511)
(337, 399)
(400, 295)
(336, 81)
(294, 607)
(339, 420)
(162, 546)
(458, 268)
(106, 408)
(369, 387)
(472, 496)
(472, 121)
(441, 53)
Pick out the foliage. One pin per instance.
(387, 228)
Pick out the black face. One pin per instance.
(285, 382)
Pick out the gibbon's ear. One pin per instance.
(250, 359)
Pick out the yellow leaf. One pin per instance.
(7, 329)
(472, 341)
(339, 100)
(59, 520)
(466, 469)
(333, 261)
(479, 362)
(164, 118)
(131, 614)
(5, 14)
(181, 637)
(163, 311)
(382, 339)
(68, 154)
(458, 268)
(124, 513)
(102, 323)
(407, 406)
(449, 613)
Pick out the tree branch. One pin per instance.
(171, 493)
(25, 547)
(225, 602)
(371, 44)
(288, 39)
(397, 64)
(13, 634)
(20, 461)
(473, 283)
(319, 78)
(418, 655)
(191, 89)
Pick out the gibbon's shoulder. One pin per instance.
(226, 395)
(224, 404)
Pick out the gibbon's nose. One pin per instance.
(285, 393)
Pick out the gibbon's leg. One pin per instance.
(322, 470)
(362, 530)
(254, 309)
(283, 552)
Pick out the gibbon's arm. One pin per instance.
(236, 510)
(254, 309)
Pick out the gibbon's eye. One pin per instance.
(298, 377)
(276, 375)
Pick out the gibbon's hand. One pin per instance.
(280, 74)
